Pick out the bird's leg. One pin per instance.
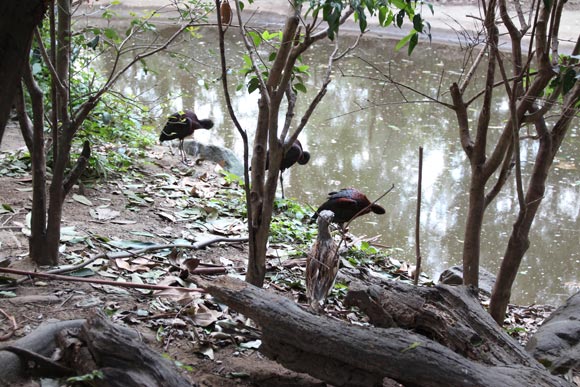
(282, 184)
(343, 234)
(171, 148)
(184, 159)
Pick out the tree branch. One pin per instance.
(77, 170)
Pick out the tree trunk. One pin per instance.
(518, 244)
(263, 185)
(550, 140)
(346, 355)
(63, 48)
(473, 225)
(258, 238)
(17, 23)
(37, 240)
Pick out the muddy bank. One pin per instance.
(449, 19)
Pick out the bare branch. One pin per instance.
(473, 68)
(23, 119)
(61, 88)
(77, 170)
(462, 118)
(392, 81)
(232, 113)
(88, 105)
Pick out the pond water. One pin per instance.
(363, 135)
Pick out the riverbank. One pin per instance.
(452, 22)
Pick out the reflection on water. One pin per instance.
(362, 136)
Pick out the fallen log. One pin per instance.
(347, 355)
(450, 315)
(85, 346)
(40, 341)
(119, 353)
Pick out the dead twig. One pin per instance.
(14, 325)
(418, 219)
(57, 277)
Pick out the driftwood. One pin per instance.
(86, 346)
(347, 355)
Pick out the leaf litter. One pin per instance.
(183, 207)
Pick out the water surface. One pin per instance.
(365, 135)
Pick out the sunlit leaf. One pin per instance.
(82, 199)
(103, 213)
(7, 294)
(403, 42)
(7, 208)
(130, 244)
(84, 272)
(254, 344)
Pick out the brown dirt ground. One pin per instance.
(231, 366)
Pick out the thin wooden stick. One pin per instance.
(96, 281)
(12, 320)
(418, 219)
(369, 206)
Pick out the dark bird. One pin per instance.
(347, 204)
(181, 125)
(295, 154)
(322, 263)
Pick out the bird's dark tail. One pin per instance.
(377, 209)
(206, 124)
(304, 158)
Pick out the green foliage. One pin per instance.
(386, 10)
(332, 11)
(513, 331)
(272, 43)
(117, 136)
(114, 128)
(232, 178)
(291, 223)
(177, 363)
(566, 76)
(87, 378)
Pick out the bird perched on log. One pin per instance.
(347, 204)
(181, 125)
(295, 154)
(322, 263)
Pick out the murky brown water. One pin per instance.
(362, 136)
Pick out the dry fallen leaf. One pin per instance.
(103, 213)
(82, 199)
(204, 316)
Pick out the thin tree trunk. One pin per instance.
(263, 185)
(57, 196)
(473, 226)
(258, 239)
(38, 216)
(518, 244)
